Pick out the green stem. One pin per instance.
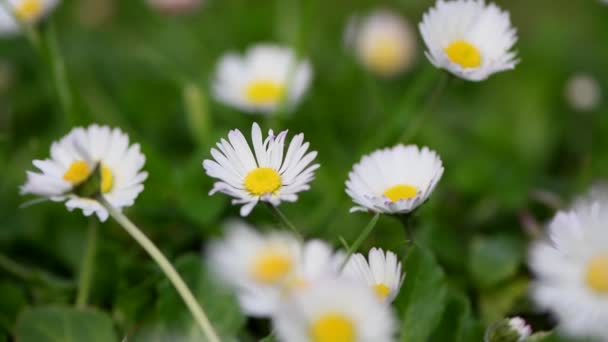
(283, 219)
(364, 234)
(417, 122)
(86, 270)
(197, 113)
(164, 264)
(408, 226)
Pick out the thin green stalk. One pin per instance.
(364, 234)
(416, 124)
(408, 226)
(197, 113)
(86, 269)
(182, 289)
(33, 275)
(283, 219)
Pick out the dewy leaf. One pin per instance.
(494, 259)
(174, 321)
(60, 324)
(422, 299)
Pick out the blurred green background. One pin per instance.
(512, 148)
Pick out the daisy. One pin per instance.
(260, 80)
(73, 160)
(509, 329)
(383, 41)
(317, 260)
(265, 174)
(468, 38)
(334, 310)
(394, 180)
(26, 11)
(571, 268)
(382, 273)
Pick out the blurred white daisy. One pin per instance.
(26, 11)
(262, 79)
(75, 157)
(571, 268)
(583, 92)
(269, 175)
(317, 260)
(394, 180)
(334, 310)
(175, 6)
(383, 41)
(468, 38)
(382, 273)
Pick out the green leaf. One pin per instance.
(12, 300)
(494, 259)
(422, 299)
(458, 323)
(60, 324)
(174, 321)
(497, 303)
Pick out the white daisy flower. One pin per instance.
(571, 269)
(74, 158)
(269, 175)
(317, 260)
(468, 38)
(513, 329)
(27, 11)
(334, 310)
(383, 41)
(394, 180)
(260, 80)
(583, 92)
(382, 273)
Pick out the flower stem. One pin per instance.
(364, 234)
(281, 217)
(86, 270)
(179, 284)
(408, 227)
(417, 122)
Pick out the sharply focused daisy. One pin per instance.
(382, 273)
(26, 11)
(262, 79)
(266, 174)
(468, 38)
(73, 160)
(256, 265)
(571, 268)
(334, 310)
(383, 41)
(394, 180)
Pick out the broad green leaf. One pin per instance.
(61, 324)
(457, 323)
(422, 299)
(494, 259)
(12, 300)
(497, 303)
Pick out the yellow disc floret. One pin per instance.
(333, 327)
(385, 56)
(381, 290)
(597, 274)
(77, 173)
(28, 10)
(271, 266)
(400, 192)
(264, 92)
(464, 53)
(262, 180)
(107, 179)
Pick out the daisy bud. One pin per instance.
(508, 330)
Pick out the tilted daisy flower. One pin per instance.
(266, 174)
(256, 265)
(394, 180)
(469, 39)
(26, 11)
(334, 310)
(73, 160)
(317, 260)
(382, 273)
(571, 268)
(262, 79)
(383, 41)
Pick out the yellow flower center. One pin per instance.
(385, 56)
(28, 10)
(400, 192)
(79, 171)
(333, 327)
(464, 53)
(264, 92)
(597, 274)
(262, 180)
(271, 266)
(382, 291)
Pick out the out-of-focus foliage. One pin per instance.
(502, 141)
